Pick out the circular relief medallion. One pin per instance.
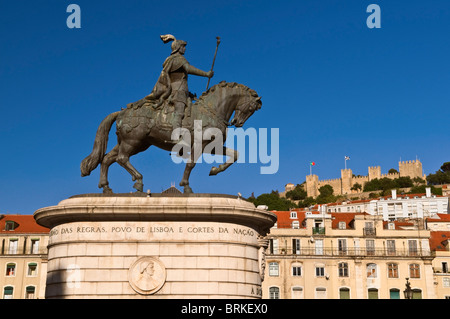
(147, 275)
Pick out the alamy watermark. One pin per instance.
(208, 146)
(373, 20)
(74, 19)
(74, 276)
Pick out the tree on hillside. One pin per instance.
(298, 193)
(421, 189)
(273, 201)
(326, 195)
(445, 167)
(386, 184)
(441, 176)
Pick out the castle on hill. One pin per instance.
(343, 185)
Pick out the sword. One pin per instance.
(214, 60)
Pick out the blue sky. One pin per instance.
(331, 85)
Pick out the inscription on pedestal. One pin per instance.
(152, 230)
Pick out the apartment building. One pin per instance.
(23, 257)
(321, 255)
(397, 206)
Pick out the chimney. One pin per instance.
(428, 192)
(394, 194)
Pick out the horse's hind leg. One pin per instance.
(233, 157)
(123, 158)
(107, 161)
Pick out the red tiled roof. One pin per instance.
(343, 217)
(398, 224)
(439, 240)
(284, 219)
(24, 224)
(442, 218)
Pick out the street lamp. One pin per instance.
(408, 291)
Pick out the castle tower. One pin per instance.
(312, 185)
(411, 169)
(374, 172)
(346, 178)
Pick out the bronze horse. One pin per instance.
(139, 126)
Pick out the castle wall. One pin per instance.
(343, 185)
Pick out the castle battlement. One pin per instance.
(390, 175)
(330, 180)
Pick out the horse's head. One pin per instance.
(246, 106)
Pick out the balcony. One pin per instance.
(14, 251)
(370, 232)
(318, 230)
(350, 252)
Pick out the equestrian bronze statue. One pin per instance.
(152, 120)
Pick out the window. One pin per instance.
(273, 246)
(321, 293)
(370, 247)
(412, 247)
(10, 269)
(13, 246)
(293, 214)
(390, 247)
(10, 225)
(369, 229)
(274, 269)
(342, 225)
(295, 224)
(446, 282)
(29, 292)
(344, 293)
(274, 293)
(319, 246)
(444, 267)
(371, 271)
(296, 246)
(342, 246)
(391, 226)
(297, 292)
(414, 271)
(394, 293)
(392, 270)
(296, 269)
(34, 246)
(320, 270)
(32, 269)
(417, 294)
(372, 293)
(343, 269)
(8, 292)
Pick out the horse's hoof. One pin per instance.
(139, 186)
(107, 190)
(213, 171)
(188, 190)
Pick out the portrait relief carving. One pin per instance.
(147, 275)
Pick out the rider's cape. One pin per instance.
(163, 87)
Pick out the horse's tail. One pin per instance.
(100, 144)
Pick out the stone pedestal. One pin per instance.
(141, 246)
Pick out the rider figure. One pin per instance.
(172, 84)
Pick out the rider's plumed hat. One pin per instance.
(176, 45)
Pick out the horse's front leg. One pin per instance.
(195, 154)
(233, 157)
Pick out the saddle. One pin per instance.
(157, 113)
